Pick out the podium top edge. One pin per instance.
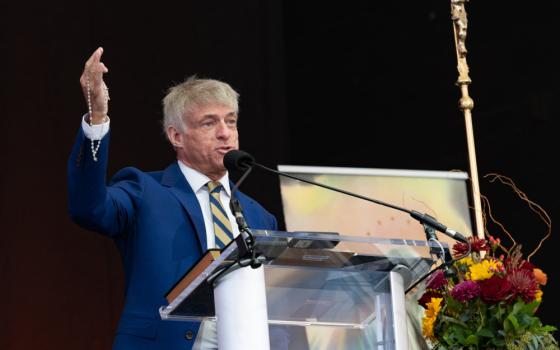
(300, 169)
(329, 236)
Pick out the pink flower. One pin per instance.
(494, 243)
(465, 291)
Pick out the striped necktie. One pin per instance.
(222, 225)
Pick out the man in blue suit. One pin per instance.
(160, 221)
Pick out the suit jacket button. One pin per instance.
(189, 335)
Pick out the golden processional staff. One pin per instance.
(466, 104)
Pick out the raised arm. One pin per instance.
(91, 203)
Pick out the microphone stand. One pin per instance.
(447, 262)
(247, 254)
(245, 240)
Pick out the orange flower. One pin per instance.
(540, 276)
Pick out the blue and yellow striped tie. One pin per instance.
(222, 226)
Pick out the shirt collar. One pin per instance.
(198, 180)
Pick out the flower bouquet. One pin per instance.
(486, 301)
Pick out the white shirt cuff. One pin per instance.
(95, 132)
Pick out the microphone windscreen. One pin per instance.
(238, 160)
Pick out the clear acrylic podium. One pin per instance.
(322, 288)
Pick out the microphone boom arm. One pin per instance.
(424, 219)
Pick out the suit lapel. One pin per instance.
(174, 179)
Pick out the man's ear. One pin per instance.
(174, 136)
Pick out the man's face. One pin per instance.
(211, 132)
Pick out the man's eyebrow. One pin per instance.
(210, 115)
(213, 115)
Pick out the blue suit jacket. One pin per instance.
(157, 224)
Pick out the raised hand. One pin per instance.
(94, 88)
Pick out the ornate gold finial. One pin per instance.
(459, 17)
(460, 25)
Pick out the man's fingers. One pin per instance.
(93, 59)
(96, 73)
(104, 68)
(94, 68)
(97, 55)
(92, 76)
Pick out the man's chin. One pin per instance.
(218, 166)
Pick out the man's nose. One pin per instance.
(223, 131)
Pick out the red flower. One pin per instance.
(495, 289)
(525, 265)
(436, 280)
(427, 297)
(523, 284)
(477, 245)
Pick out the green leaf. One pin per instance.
(485, 332)
(454, 335)
(498, 342)
(460, 335)
(507, 327)
(513, 321)
(493, 324)
(531, 307)
(518, 306)
(526, 321)
(454, 306)
(453, 321)
(537, 341)
(471, 340)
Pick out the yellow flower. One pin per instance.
(466, 261)
(430, 315)
(428, 327)
(484, 269)
(538, 295)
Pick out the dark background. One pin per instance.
(360, 84)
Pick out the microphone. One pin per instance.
(239, 160)
(431, 221)
(237, 212)
(236, 160)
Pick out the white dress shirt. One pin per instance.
(97, 131)
(198, 182)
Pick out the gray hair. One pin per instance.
(182, 99)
